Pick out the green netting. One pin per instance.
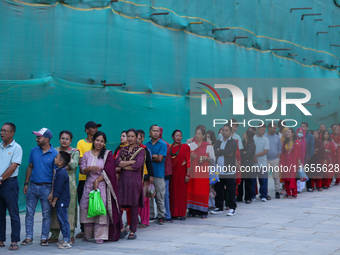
(60, 105)
(54, 55)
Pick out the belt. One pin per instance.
(9, 178)
(42, 183)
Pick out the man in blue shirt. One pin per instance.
(10, 160)
(273, 156)
(61, 197)
(40, 173)
(158, 150)
(310, 142)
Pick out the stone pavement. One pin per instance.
(309, 224)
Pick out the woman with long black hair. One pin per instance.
(99, 167)
(247, 161)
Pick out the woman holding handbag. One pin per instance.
(98, 165)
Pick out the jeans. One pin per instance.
(34, 193)
(9, 193)
(167, 200)
(63, 223)
(263, 179)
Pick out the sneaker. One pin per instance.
(160, 221)
(231, 212)
(64, 246)
(310, 190)
(277, 195)
(217, 211)
(152, 220)
(253, 199)
(169, 220)
(264, 199)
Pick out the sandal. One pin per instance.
(142, 226)
(84, 239)
(2, 245)
(269, 198)
(99, 241)
(72, 240)
(204, 217)
(189, 216)
(248, 201)
(123, 234)
(132, 236)
(27, 242)
(293, 197)
(44, 242)
(14, 247)
(286, 196)
(52, 240)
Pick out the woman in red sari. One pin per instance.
(318, 158)
(329, 159)
(202, 156)
(291, 161)
(336, 138)
(180, 159)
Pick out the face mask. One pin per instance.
(300, 135)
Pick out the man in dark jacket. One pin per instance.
(225, 151)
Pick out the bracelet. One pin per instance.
(26, 183)
(96, 181)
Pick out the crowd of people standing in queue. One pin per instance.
(125, 175)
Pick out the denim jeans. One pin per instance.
(9, 192)
(34, 193)
(63, 223)
(167, 200)
(263, 179)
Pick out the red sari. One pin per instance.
(289, 160)
(178, 188)
(198, 186)
(336, 139)
(330, 158)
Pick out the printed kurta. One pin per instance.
(130, 185)
(198, 186)
(72, 209)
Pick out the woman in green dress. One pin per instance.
(65, 139)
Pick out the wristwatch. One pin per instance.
(26, 183)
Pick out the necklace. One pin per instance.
(174, 155)
(290, 146)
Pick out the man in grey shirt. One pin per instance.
(260, 159)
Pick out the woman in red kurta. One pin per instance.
(336, 138)
(290, 161)
(180, 159)
(329, 159)
(202, 156)
(318, 158)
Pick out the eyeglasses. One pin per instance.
(4, 131)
